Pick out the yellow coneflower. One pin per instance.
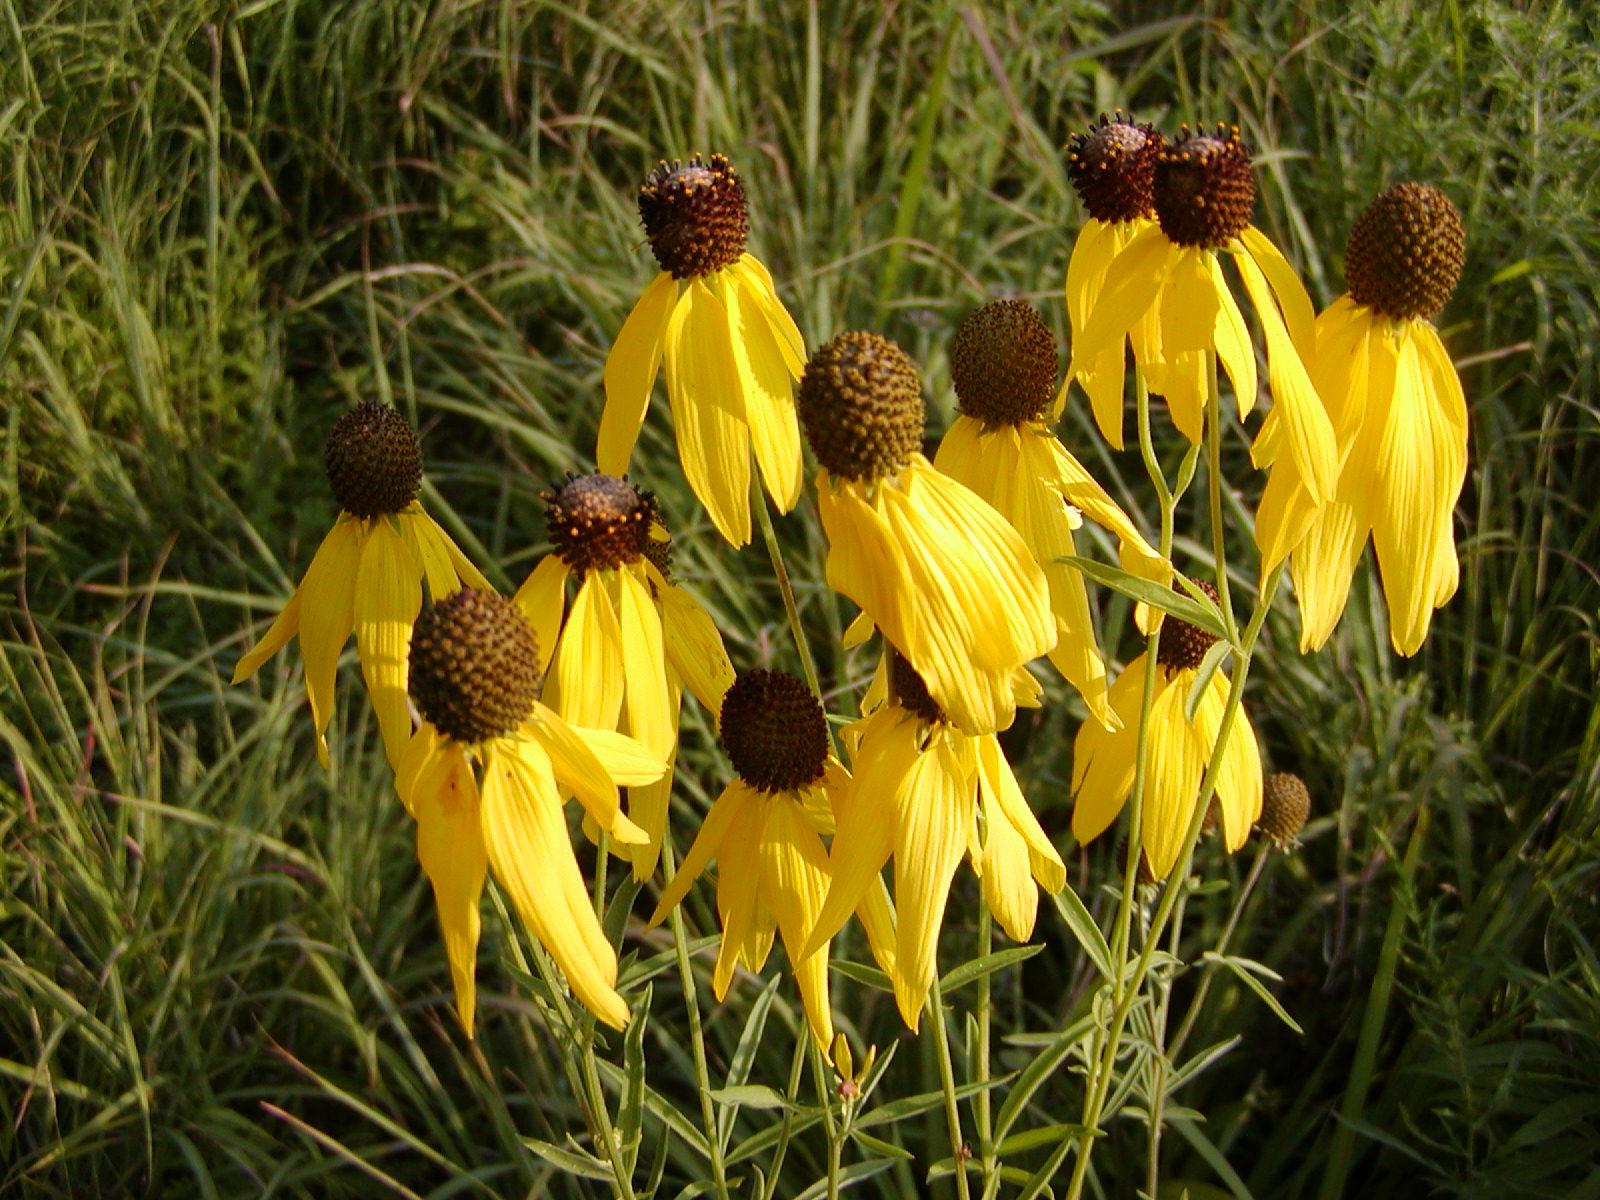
(942, 574)
(764, 831)
(731, 350)
(1112, 168)
(920, 786)
(1179, 749)
(1003, 365)
(1401, 422)
(484, 775)
(1204, 193)
(367, 575)
(632, 637)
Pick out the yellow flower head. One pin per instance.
(632, 639)
(367, 575)
(935, 568)
(1400, 420)
(1179, 748)
(1003, 366)
(730, 349)
(1170, 276)
(1112, 168)
(484, 775)
(921, 788)
(764, 832)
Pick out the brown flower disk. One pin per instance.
(860, 404)
(910, 691)
(1285, 805)
(1003, 363)
(1184, 646)
(474, 666)
(774, 731)
(373, 461)
(599, 521)
(1406, 252)
(1112, 168)
(1205, 189)
(695, 215)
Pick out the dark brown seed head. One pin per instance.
(909, 691)
(695, 215)
(474, 666)
(599, 521)
(774, 731)
(373, 460)
(1003, 363)
(1112, 168)
(1285, 805)
(1205, 189)
(1184, 646)
(861, 406)
(1119, 862)
(1406, 252)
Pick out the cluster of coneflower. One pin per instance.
(495, 711)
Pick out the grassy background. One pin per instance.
(219, 968)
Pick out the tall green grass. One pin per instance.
(219, 968)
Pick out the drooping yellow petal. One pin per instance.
(768, 390)
(787, 334)
(525, 834)
(738, 893)
(935, 815)
(864, 837)
(589, 660)
(1177, 761)
(1305, 426)
(543, 599)
(865, 562)
(652, 714)
(578, 768)
(1443, 386)
(794, 876)
(327, 614)
(1002, 868)
(630, 373)
(1043, 860)
(694, 647)
(1137, 275)
(451, 850)
(388, 597)
(1103, 760)
(284, 627)
(622, 758)
(707, 844)
(417, 757)
(648, 804)
(706, 395)
(1047, 458)
(1420, 460)
(447, 566)
(1102, 378)
(1290, 293)
(1232, 340)
(1323, 565)
(1239, 780)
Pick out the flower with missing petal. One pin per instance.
(926, 795)
(1003, 365)
(484, 776)
(367, 575)
(931, 564)
(731, 352)
(764, 832)
(632, 638)
(1171, 274)
(1401, 422)
(1179, 748)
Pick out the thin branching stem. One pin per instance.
(947, 1081)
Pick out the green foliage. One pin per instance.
(220, 972)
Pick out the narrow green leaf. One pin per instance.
(1042, 1067)
(1242, 968)
(1202, 677)
(749, 1095)
(1179, 604)
(979, 967)
(1082, 927)
(573, 1162)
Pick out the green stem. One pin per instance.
(1159, 1060)
(1219, 539)
(1209, 971)
(697, 1043)
(952, 1114)
(786, 1124)
(769, 535)
(986, 1147)
(821, 1071)
(1361, 1071)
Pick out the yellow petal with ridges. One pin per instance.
(1136, 277)
(1002, 867)
(707, 843)
(768, 392)
(451, 850)
(1102, 378)
(577, 768)
(1177, 762)
(416, 527)
(1043, 859)
(525, 834)
(1103, 760)
(786, 333)
(1232, 340)
(864, 561)
(1239, 779)
(738, 893)
(708, 416)
(648, 804)
(934, 816)
(589, 661)
(543, 598)
(794, 876)
(388, 597)
(327, 615)
(652, 716)
(630, 373)
(285, 626)
(694, 647)
(1290, 293)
